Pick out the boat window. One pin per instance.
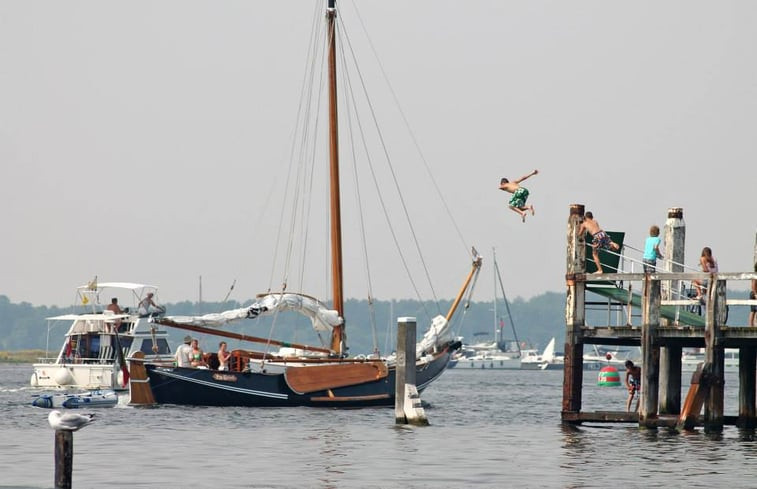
(161, 343)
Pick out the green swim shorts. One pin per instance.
(519, 197)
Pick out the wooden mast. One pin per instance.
(337, 334)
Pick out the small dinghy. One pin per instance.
(88, 399)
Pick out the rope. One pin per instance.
(388, 160)
(411, 132)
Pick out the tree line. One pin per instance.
(532, 322)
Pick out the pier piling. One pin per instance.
(407, 401)
(64, 458)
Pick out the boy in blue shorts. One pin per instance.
(520, 195)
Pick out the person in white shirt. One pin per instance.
(183, 353)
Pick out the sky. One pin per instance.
(148, 141)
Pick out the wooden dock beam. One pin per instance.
(575, 316)
(650, 321)
(674, 237)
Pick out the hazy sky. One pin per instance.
(143, 141)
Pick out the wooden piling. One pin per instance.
(715, 316)
(140, 393)
(650, 321)
(674, 239)
(747, 366)
(407, 401)
(575, 315)
(64, 458)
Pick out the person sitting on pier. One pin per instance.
(633, 384)
(600, 239)
(709, 265)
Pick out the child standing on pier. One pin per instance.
(600, 239)
(520, 195)
(633, 384)
(652, 250)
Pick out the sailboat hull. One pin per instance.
(203, 387)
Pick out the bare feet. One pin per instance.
(598, 272)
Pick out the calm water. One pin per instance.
(488, 429)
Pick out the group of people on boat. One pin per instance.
(189, 354)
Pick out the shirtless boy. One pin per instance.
(520, 195)
(633, 384)
(600, 239)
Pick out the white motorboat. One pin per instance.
(98, 341)
(498, 354)
(690, 359)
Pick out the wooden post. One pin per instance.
(64, 458)
(714, 355)
(140, 393)
(407, 401)
(650, 352)
(575, 314)
(674, 241)
(747, 366)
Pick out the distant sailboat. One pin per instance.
(498, 354)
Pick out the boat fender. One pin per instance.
(34, 380)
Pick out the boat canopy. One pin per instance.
(116, 285)
(322, 318)
(88, 317)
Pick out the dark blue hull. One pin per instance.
(202, 387)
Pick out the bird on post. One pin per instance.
(69, 421)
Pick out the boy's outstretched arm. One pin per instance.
(526, 176)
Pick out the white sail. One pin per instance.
(437, 335)
(322, 318)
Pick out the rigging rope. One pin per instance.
(390, 166)
(412, 133)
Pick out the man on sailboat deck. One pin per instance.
(520, 195)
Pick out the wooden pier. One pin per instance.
(665, 327)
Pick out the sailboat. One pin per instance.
(299, 374)
(497, 354)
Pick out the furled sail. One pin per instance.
(322, 318)
(438, 334)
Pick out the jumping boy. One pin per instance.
(520, 195)
(600, 239)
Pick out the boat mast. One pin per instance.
(497, 331)
(337, 335)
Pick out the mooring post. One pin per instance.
(64, 458)
(715, 317)
(407, 402)
(674, 236)
(575, 315)
(650, 353)
(747, 365)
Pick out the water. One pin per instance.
(489, 429)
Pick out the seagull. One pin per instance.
(69, 421)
